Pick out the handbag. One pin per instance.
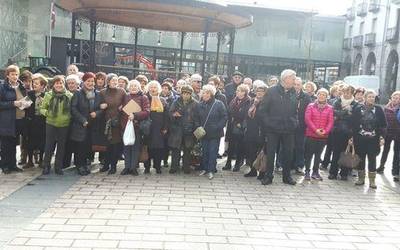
(238, 129)
(145, 126)
(349, 158)
(197, 150)
(260, 164)
(144, 154)
(200, 132)
(129, 134)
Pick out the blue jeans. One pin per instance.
(131, 154)
(210, 153)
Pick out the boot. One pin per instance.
(228, 165)
(87, 170)
(59, 171)
(238, 164)
(371, 177)
(46, 170)
(381, 169)
(134, 172)
(252, 173)
(81, 171)
(260, 175)
(361, 178)
(23, 157)
(125, 171)
(104, 169)
(112, 170)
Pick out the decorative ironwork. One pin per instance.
(370, 39)
(358, 41)
(362, 9)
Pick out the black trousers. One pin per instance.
(155, 154)
(328, 151)
(313, 147)
(339, 144)
(83, 151)
(396, 154)
(236, 147)
(176, 155)
(8, 152)
(367, 147)
(252, 148)
(287, 144)
(55, 136)
(113, 154)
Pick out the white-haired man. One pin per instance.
(278, 113)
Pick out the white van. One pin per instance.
(365, 81)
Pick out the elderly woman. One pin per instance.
(212, 116)
(393, 134)
(113, 98)
(143, 82)
(319, 123)
(359, 95)
(100, 81)
(254, 136)
(238, 109)
(56, 107)
(179, 85)
(72, 69)
(36, 121)
(159, 126)
(369, 125)
(131, 152)
(123, 82)
(85, 108)
(73, 83)
(216, 81)
(182, 115)
(343, 108)
(310, 88)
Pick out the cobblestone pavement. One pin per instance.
(14, 181)
(229, 212)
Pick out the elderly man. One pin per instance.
(272, 81)
(195, 81)
(278, 113)
(230, 89)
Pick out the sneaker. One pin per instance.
(210, 176)
(202, 172)
(316, 176)
(396, 178)
(307, 175)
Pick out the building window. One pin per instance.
(350, 34)
(361, 31)
(319, 36)
(373, 27)
(294, 34)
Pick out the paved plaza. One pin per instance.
(191, 212)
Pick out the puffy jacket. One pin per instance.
(60, 120)
(317, 118)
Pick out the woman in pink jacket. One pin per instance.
(319, 122)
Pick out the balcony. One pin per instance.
(374, 6)
(362, 9)
(392, 35)
(347, 43)
(370, 39)
(350, 14)
(358, 41)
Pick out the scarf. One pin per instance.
(320, 106)
(391, 106)
(253, 109)
(90, 95)
(156, 104)
(56, 100)
(346, 103)
(236, 103)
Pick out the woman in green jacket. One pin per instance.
(56, 107)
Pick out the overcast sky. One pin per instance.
(324, 7)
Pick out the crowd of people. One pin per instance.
(291, 122)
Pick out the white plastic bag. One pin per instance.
(129, 134)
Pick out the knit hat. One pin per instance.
(187, 89)
(88, 75)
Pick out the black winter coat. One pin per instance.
(182, 127)
(80, 112)
(278, 111)
(7, 108)
(303, 99)
(216, 122)
(379, 124)
(343, 119)
(230, 92)
(36, 125)
(159, 122)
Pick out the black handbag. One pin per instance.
(238, 129)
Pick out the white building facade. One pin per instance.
(371, 43)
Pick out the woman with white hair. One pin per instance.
(212, 116)
(369, 125)
(159, 126)
(319, 123)
(131, 152)
(72, 83)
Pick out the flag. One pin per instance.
(53, 15)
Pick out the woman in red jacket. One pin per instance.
(319, 122)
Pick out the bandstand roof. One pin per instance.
(168, 15)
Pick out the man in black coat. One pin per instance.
(278, 114)
(230, 88)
